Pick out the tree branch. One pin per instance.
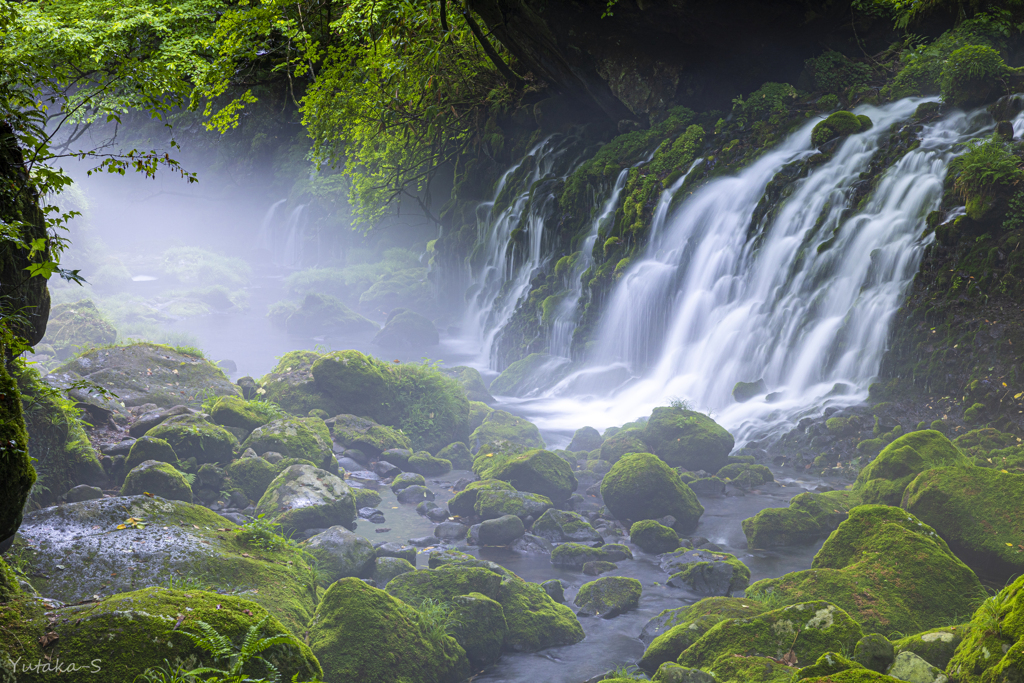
(491, 53)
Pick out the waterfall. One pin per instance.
(801, 299)
(294, 241)
(265, 238)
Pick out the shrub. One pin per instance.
(986, 165)
(971, 75)
(834, 73)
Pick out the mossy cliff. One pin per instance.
(16, 469)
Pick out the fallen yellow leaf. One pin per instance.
(1010, 544)
(121, 526)
(1004, 471)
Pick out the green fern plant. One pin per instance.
(438, 620)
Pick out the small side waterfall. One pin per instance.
(283, 240)
(801, 299)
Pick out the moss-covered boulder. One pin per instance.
(478, 412)
(235, 411)
(340, 554)
(320, 314)
(741, 669)
(684, 438)
(608, 597)
(809, 517)
(387, 568)
(354, 381)
(534, 620)
(622, 442)
(76, 326)
(481, 627)
(151, 373)
(969, 507)
(178, 541)
(492, 503)
(426, 464)
(472, 382)
(992, 649)
(157, 478)
(16, 472)
(527, 375)
(709, 573)
(561, 526)
(291, 385)
(149, 448)
(500, 427)
(535, 471)
(677, 629)
(305, 497)
(56, 439)
(127, 633)
(874, 651)
(363, 434)
(584, 440)
(458, 455)
(304, 438)
(575, 555)
(936, 646)
(406, 330)
(921, 586)
(252, 475)
(427, 405)
(886, 477)
(827, 664)
(641, 486)
(463, 503)
(360, 633)
(192, 436)
(653, 537)
(838, 124)
(746, 475)
(973, 75)
(803, 632)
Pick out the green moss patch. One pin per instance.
(684, 438)
(885, 478)
(535, 471)
(641, 486)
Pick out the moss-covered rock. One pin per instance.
(968, 507)
(875, 652)
(463, 503)
(535, 471)
(428, 406)
(491, 504)
(75, 326)
(936, 646)
(365, 435)
(472, 382)
(340, 554)
(684, 438)
(808, 630)
(304, 497)
(320, 314)
(16, 472)
(886, 477)
(481, 627)
(973, 75)
(993, 647)
(192, 436)
(291, 385)
(500, 427)
(458, 455)
(149, 448)
(677, 629)
(827, 664)
(575, 555)
(808, 517)
(406, 331)
(561, 526)
(444, 583)
(478, 412)
(354, 381)
(360, 633)
(922, 586)
(742, 669)
(609, 596)
(234, 411)
(151, 373)
(178, 541)
(720, 574)
(585, 439)
(670, 672)
(838, 124)
(527, 375)
(746, 475)
(158, 479)
(426, 464)
(305, 438)
(252, 475)
(653, 537)
(622, 442)
(853, 676)
(641, 486)
(387, 568)
(501, 531)
(129, 632)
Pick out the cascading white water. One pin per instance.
(295, 233)
(805, 305)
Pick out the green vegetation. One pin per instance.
(640, 486)
(972, 75)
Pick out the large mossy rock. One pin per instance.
(936, 646)
(354, 381)
(620, 443)
(340, 554)
(75, 326)
(888, 570)
(684, 438)
(534, 620)
(463, 503)
(320, 314)
(561, 526)
(65, 458)
(481, 627)
(609, 596)
(674, 630)
(406, 330)
(491, 504)
(641, 486)
(977, 512)
(305, 497)
(304, 438)
(535, 471)
(653, 537)
(149, 448)
(808, 630)
(127, 633)
(156, 478)
(992, 650)
(291, 385)
(706, 572)
(809, 517)
(500, 427)
(16, 472)
(887, 476)
(472, 382)
(360, 633)
(178, 541)
(234, 411)
(363, 434)
(192, 436)
(151, 373)
(429, 406)
(252, 475)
